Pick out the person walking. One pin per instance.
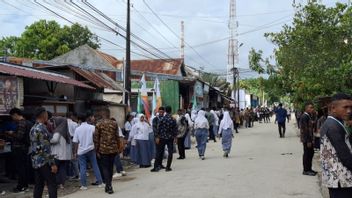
(165, 136)
(43, 160)
(155, 126)
(215, 123)
(226, 130)
(307, 139)
(84, 151)
(61, 147)
(188, 141)
(281, 115)
(182, 128)
(336, 151)
(201, 127)
(106, 140)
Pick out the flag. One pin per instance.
(144, 97)
(139, 103)
(158, 101)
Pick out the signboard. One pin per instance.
(8, 93)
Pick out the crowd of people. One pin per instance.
(51, 149)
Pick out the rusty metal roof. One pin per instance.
(159, 66)
(99, 79)
(28, 72)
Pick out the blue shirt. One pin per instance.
(40, 146)
(281, 115)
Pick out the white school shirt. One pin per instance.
(84, 138)
(72, 125)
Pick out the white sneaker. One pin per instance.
(83, 188)
(101, 185)
(123, 173)
(116, 175)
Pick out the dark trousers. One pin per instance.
(181, 147)
(308, 154)
(282, 128)
(61, 171)
(22, 166)
(160, 152)
(43, 175)
(107, 166)
(340, 192)
(211, 134)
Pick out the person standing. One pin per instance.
(106, 140)
(188, 141)
(201, 127)
(165, 136)
(61, 147)
(126, 133)
(215, 123)
(336, 151)
(182, 128)
(281, 115)
(155, 126)
(141, 152)
(307, 139)
(43, 161)
(20, 147)
(72, 125)
(84, 150)
(226, 130)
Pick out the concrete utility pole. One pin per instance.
(233, 48)
(182, 40)
(127, 74)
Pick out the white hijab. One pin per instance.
(139, 129)
(190, 122)
(226, 122)
(193, 115)
(201, 121)
(216, 117)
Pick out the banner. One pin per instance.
(8, 93)
(144, 97)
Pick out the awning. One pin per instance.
(28, 72)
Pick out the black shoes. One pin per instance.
(168, 169)
(109, 190)
(310, 173)
(181, 158)
(155, 170)
(20, 190)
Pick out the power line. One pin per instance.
(177, 36)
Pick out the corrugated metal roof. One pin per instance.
(99, 79)
(160, 66)
(28, 72)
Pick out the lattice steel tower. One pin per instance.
(233, 46)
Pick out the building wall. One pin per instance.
(170, 94)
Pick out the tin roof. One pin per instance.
(159, 66)
(28, 72)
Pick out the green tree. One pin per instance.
(47, 39)
(313, 55)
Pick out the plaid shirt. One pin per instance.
(40, 146)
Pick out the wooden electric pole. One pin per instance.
(127, 74)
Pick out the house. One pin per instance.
(16, 83)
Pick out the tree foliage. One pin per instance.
(215, 80)
(313, 55)
(47, 39)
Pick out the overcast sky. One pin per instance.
(205, 21)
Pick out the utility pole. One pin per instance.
(127, 75)
(182, 40)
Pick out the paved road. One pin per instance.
(260, 166)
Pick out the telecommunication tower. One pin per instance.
(232, 71)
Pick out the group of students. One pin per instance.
(58, 145)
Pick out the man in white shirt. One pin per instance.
(84, 150)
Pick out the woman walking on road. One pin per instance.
(226, 129)
(201, 127)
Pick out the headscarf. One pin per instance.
(226, 122)
(216, 117)
(139, 127)
(201, 122)
(190, 122)
(61, 126)
(193, 115)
